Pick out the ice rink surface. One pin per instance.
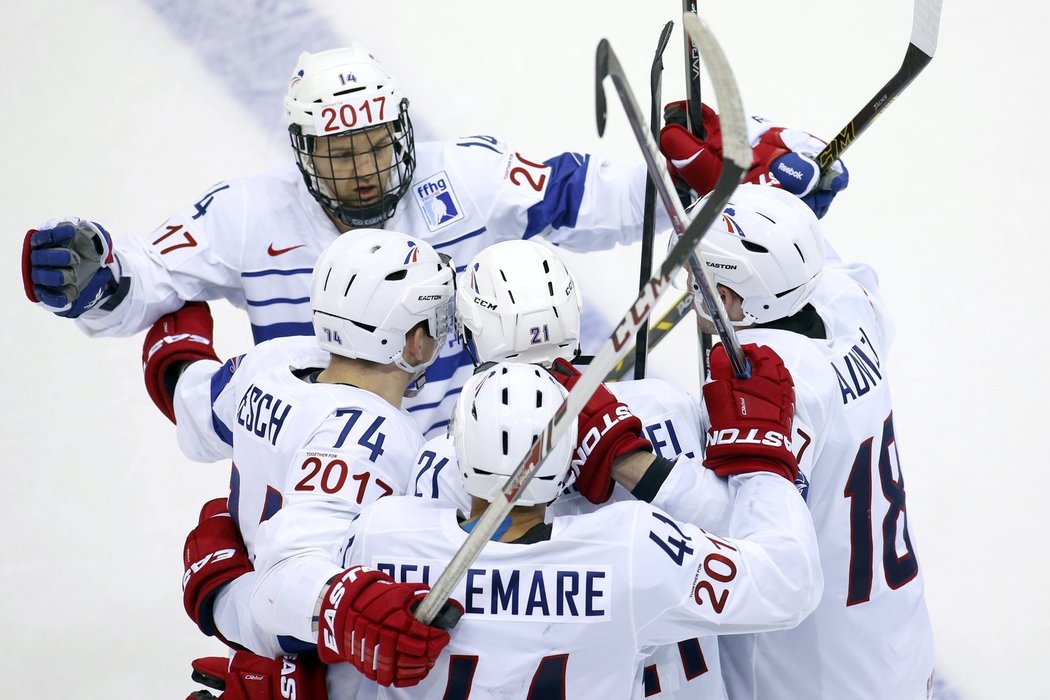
(122, 111)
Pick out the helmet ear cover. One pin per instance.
(501, 411)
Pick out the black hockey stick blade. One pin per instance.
(692, 79)
(608, 62)
(926, 20)
(737, 158)
(645, 262)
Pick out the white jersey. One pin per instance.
(870, 638)
(254, 241)
(320, 449)
(573, 616)
(671, 419)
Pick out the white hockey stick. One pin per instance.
(926, 20)
(737, 157)
(609, 65)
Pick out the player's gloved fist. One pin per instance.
(696, 162)
(786, 158)
(750, 418)
(606, 429)
(174, 340)
(250, 677)
(214, 555)
(366, 619)
(68, 265)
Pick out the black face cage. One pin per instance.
(394, 178)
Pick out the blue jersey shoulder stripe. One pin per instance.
(278, 300)
(439, 424)
(454, 241)
(561, 204)
(266, 273)
(444, 367)
(434, 404)
(219, 381)
(280, 330)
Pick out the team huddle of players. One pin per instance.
(752, 545)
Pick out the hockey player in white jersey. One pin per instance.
(254, 241)
(870, 638)
(519, 302)
(567, 608)
(315, 428)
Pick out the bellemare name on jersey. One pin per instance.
(555, 593)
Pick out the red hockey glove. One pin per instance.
(251, 677)
(698, 163)
(366, 619)
(781, 157)
(750, 418)
(786, 158)
(177, 338)
(606, 429)
(213, 556)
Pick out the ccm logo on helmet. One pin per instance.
(590, 440)
(485, 304)
(729, 436)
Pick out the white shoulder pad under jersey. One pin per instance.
(870, 638)
(252, 241)
(542, 617)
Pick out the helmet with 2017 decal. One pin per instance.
(351, 133)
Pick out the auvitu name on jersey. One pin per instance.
(546, 593)
(859, 370)
(261, 414)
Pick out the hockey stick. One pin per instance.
(926, 20)
(737, 155)
(695, 124)
(609, 65)
(656, 334)
(649, 214)
(694, 120)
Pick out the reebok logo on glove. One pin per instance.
(589, 441)
(732, 436)
(781, 167)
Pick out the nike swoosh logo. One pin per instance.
(274, 252)
(682, 163)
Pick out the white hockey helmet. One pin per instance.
(501, 411)
(518, 302)
(347, 91)
(769, 248)
(371, 287)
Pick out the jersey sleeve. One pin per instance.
(576, 200)
(348, 463)
(762, 574)
(193, 256)
(204, 408)
(694, 494)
